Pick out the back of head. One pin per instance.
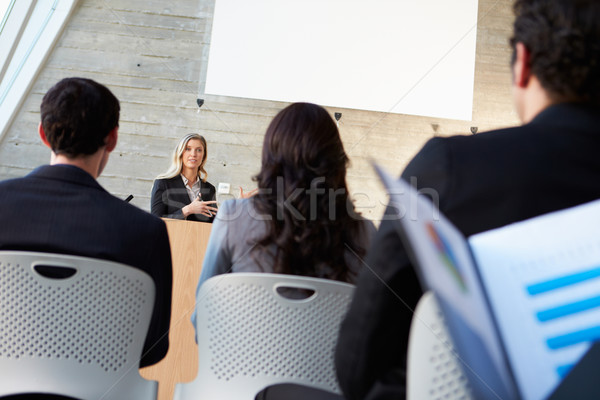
(301, 144)
(77, 114)
(302, 186)
(563, 37)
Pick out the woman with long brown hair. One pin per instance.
(301, 221)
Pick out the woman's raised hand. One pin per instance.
(198, 206)
(247, 194)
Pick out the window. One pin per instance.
(28, 31)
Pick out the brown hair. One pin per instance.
(302, 187)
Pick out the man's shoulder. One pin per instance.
(13, 188)
(558, 122)
(130, 213)
(485, 146)
(445, 162)
(12, 182)
(146, 235)
(23, 180)
(485, 138)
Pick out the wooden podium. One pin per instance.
(188, 244)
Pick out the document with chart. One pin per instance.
(542, 278)
(522, 302)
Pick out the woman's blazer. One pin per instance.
(169, 196)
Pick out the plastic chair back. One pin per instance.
(250, 335)
(73, 326)
(433, 370)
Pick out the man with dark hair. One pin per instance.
(61, 208)
(486, 181)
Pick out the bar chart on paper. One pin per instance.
(542, 277)
(578, 306)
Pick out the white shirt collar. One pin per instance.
(193, 191)
(186, 180)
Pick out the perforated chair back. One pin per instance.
(433, 370)
(73, 326)
(250, 336)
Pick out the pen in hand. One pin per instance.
(200, 200)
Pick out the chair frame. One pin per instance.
(433, 370)
(80, 336)
(250, 336)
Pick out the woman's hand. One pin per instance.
(247, 194)
(200, 207)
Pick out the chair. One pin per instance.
(73, 326)
(251, 335)
(433, 370)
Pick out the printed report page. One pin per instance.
(542, 277)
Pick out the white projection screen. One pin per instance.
(402, 56)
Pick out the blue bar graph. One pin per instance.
(563, 370)
(569, 339)
(568, 309)
(563, 281)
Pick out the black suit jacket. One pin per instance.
(62, 209)
(481, 182)
(169, 196)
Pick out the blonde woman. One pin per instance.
(183, 191)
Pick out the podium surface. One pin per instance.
(188, 241)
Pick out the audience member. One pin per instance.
(301, 221)
(487, 181)
(61, 208)
(183, 192)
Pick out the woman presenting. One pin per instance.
(183, 192)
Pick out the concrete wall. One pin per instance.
(152, 53)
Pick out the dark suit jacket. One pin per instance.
(169, 196)
(482, 182)
(62, 209)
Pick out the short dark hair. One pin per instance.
(563, 37)
(77, 114)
